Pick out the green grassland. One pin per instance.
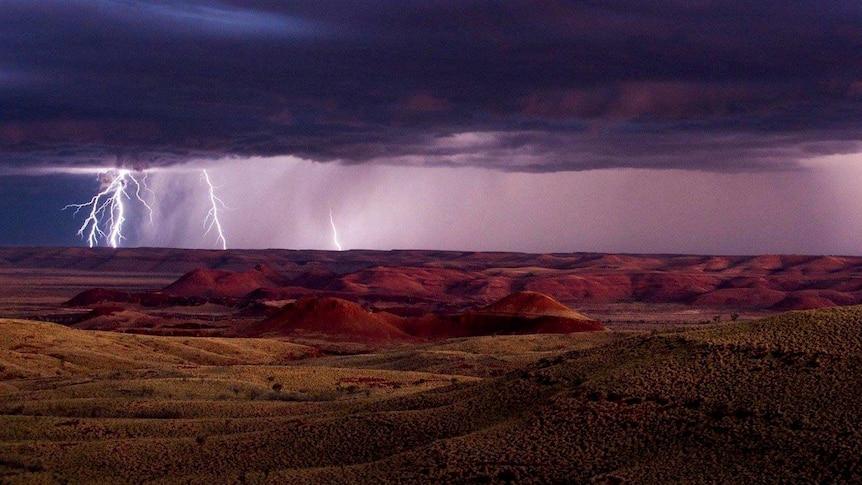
(763, 401)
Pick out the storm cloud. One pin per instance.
(532, 86)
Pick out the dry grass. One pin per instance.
(488, 356)
(764, 401)
(42, 350)
(68, 398)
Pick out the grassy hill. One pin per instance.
(773, 400)
(44, 350)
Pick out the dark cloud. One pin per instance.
(519, 85)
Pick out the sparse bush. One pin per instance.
(145, 391)
(507, 476)
(20, 463)
(697, 390)
(15, 410)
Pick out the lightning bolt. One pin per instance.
(334, 231)
(118, 212)
(212, 221)
(139, 185)
(107, 208)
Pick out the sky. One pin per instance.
(670, 126)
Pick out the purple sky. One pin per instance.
(285, 202)
(721, 126)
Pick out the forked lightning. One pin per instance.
(108, 208)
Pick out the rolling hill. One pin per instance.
(765, 400)
(329, 318)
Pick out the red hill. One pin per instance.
(214, 283)
(527, 312)
(592, 288)
(530, 304)
(524, 312)
(329, 317)
(100, 295)
(97, 296)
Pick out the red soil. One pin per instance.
(527, 312)
(599, 288)
(100, 295)
(117, 319)
(804, 300)
(524, 312)
(742, 298)
(669, 287)
(416, 282)
(530, 304)
(519, 313)
(332, 317)
(213, 283)
(437, 293)
(283, 293)
(96, 296)
(399, 281)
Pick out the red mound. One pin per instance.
(100, 295)
(524, 312)
(528, 312)
(435, 293)
(603, 288)
(804, 300)
(331, 317)
(484, 287)
(317, 277)
(400, 281)
(662, 287)
(530, 304)
(116, 319)
(284, 293)
(213, 283)
(716, 264)
(748, 298)
(271, 274)
(765, 263)
(97, 296)
(625, 262)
